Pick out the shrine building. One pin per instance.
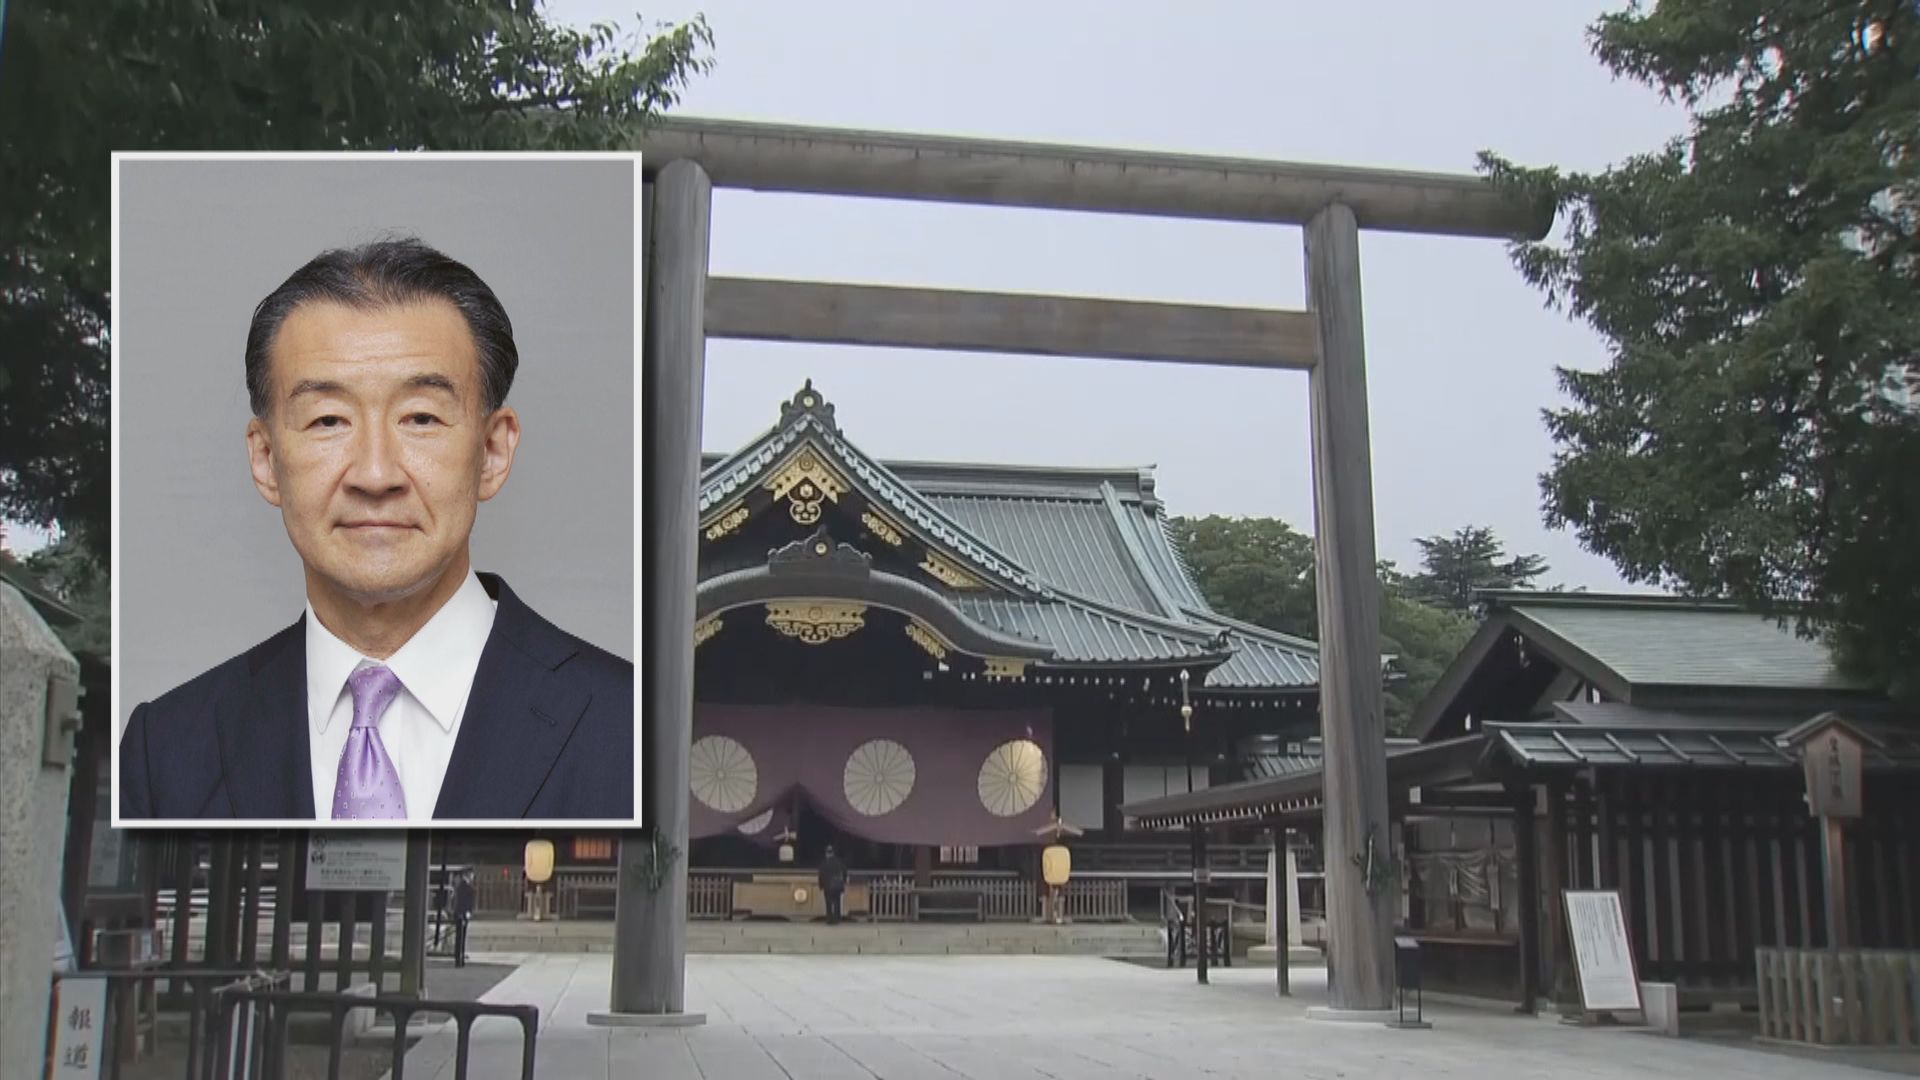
(923, 664)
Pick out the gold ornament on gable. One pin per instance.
(927, 640)
(727, 522)
(816, 622)
(806, 482)
(944, 570)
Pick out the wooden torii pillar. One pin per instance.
(684, 157)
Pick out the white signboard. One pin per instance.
(357, 862)
(1601, 953)
(80, 1019)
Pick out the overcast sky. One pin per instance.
(1460, 351)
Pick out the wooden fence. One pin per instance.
(890, 898)
(709, 896)
(1003, 899)
(1828, 997)
(1097, 900)
(587, 893)
(499, 890)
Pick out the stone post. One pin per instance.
(37, 676)
(1273, 892)
(1292, 886)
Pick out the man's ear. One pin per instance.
(502, 439)
(260, 459)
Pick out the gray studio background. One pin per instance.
(206, 570)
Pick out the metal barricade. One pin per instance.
(254, 1023)
(202, 989)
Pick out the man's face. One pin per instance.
(377, 446)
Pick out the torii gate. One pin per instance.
(686, 158)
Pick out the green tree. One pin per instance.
(68, 572)
(1260, 570)
(1755, 432)
(78, 81)
(1257, 570)
(1423, 640)
(1454, 567)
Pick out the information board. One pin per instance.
(1602, 955)
(357, 862)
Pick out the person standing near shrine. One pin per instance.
(462, 913)
(833, 882)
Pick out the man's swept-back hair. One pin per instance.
(387, 273)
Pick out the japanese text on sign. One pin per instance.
(81, 1016)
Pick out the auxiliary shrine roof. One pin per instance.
(1078, 561)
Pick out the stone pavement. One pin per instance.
(1020, 1017)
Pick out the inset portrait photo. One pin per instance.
(375, 435)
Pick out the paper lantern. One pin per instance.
(1056, 865)
(539, 861)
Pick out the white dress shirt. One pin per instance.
(436, 668)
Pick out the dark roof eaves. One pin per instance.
(1255, 630)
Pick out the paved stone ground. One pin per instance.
(1061, 1018)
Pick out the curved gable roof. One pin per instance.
(1080, 557)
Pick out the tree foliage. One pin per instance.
(78, 81)
(1754, 434)
(1257, 570)
(66, 571)
(1261, 570)
(1455, 567)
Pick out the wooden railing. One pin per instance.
(498, 890)
(1829, 997)
(709, 896)
(1096, 900)
(586, 894)
(1004, 899)
(1163, 858)
(890, 897)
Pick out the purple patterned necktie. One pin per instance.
(368, 786)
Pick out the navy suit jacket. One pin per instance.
(548, 732)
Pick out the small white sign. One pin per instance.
(80, 1019)
(356, 862)
(1601, 952)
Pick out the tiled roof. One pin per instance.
(1262, 658)
(1081, 557)
(723, 480)
(1586, 734)
(1658, 642)
(1299, 793)
(1083, 633)
(1069, 543)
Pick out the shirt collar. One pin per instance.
(436, 665)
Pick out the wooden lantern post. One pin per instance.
(1832, 751)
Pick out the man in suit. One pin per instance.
(413, 687)
(462, 915)
(833, 883)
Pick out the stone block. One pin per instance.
(33, 819)
(1661, 1002)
